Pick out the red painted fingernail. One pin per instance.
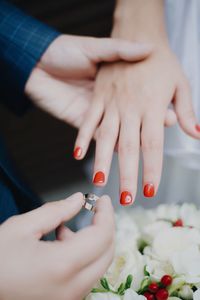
(149, 190)
(126, 198)
(197, 127)
(99, 177)
(77, 152)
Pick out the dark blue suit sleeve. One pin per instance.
(23, 40)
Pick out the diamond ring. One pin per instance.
(90, 200)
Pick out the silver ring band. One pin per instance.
(90, 200)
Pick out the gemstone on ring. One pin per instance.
(90, 200)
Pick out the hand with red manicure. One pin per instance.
(130, 109)
(131, 103)
(62, 83)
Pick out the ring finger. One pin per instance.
(128, 150)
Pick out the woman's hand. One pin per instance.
(63, 269)
(130, 109)
(62, 82)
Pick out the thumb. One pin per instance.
(49, 216)
(170, 118)
(109, 49)
(185, 112)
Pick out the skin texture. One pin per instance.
(65, 269)
(62, 83)
(131, 101)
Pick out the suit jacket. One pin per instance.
(23, 40)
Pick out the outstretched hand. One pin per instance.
(62, 82)
(130, 109)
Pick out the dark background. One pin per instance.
(42, 146)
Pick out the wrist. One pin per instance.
(140, 21)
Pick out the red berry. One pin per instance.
(153, 287)
(162, 294)
(178, 223)
(166, 280)
(149, 296)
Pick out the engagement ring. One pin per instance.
(90, 200)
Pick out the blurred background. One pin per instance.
(42, 146)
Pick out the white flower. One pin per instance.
(102, 296)
(186, 292)
(167, 212)
(153, 229)
(170, 250)
(190, 215)
(132, 295)
(172, 240)
(187, 263)
(157, 269)
(129, 295)
(196, 295)
(126, 227)
(127, 260)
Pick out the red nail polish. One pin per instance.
(149, 190)
(77, 152)
(126, 198)
(99, 177)
(197, 127)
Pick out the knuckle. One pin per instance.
(128, 147)
(150, 172)
(151, 145)
(49, 205)
(105, 132)
(188, 114)
(83, 133)
(61, 271)
(126, 181)
(52, 208)
(106, 237)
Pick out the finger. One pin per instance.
(170, 118)
(87, 129)
(63, 233)
(93, 272)
(49, 216)
(128, 151)
(105, 143)
(152, 136)
(184, 111)
(92, 240)
(110, 49)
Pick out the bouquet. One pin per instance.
(157, 256)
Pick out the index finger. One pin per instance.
(90, 243)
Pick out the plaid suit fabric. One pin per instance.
(23, 40)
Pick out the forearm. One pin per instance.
(140, 21)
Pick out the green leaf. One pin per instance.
(144, 285)
(146, 273)
(105, 284)
(121, 289)
(129, 280)
(176, 285)
(96, 290)
(141, 245)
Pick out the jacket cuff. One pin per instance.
(23, 40)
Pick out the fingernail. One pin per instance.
(99, 177)
(149, 190)
(77, 152)
(197, 127)
(126, 198)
